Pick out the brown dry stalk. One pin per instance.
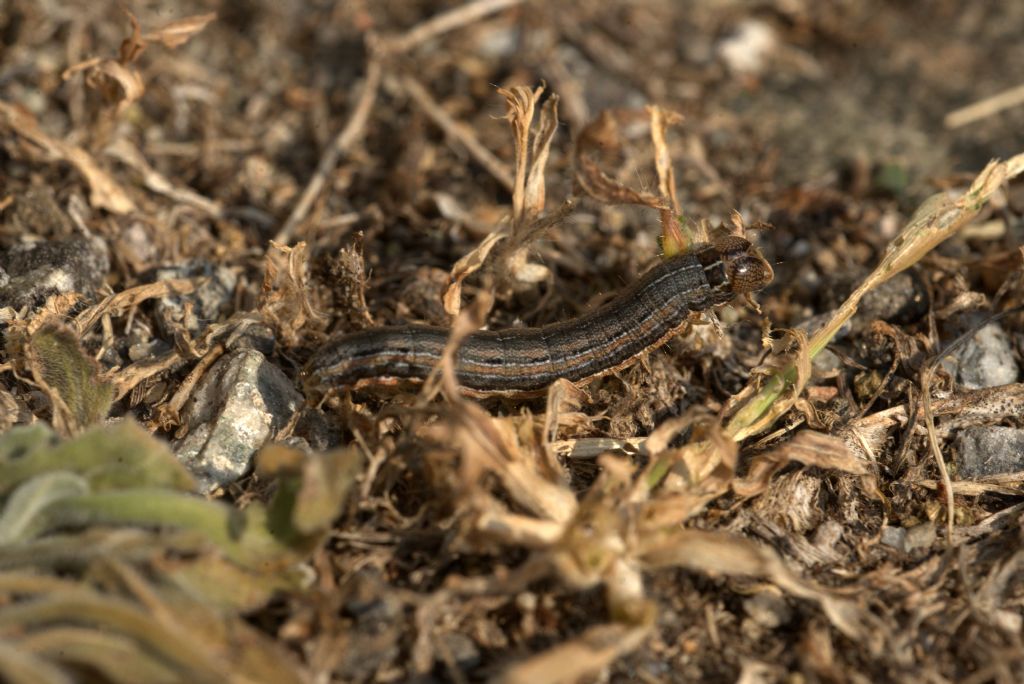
(346, 138)
(445, 21)
(104, 191)
(458, 132)
(938, 218)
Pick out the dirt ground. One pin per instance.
(188, 184)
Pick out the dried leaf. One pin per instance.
(660, 121)
(577, 658)
(808, 447)
(466, 266)
(534, 192)
(520, 101)
(284, 300)
(133, 45)
(118, 84)
(721, 554)
(179, 32)
(105, 193)
(603, 132)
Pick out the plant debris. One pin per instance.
(822, 482)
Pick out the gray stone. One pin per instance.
(920, 536)
(767, 610)
(463, 650)
(908, 539)
(900, 300)
(258, 336)
(29, 273)
(242, 402)
(986, 451)
(211, 299)
(986, 360)
(896, 537)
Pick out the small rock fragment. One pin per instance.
(767, 610)
(29, 273)
(748, 49)
(211, 298)
(901, 300)
(241, 403)
(986, 360)
(909, 539)
(896, 537)
(987, 451)
(920, 536)
(462, 649)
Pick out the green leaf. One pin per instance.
(33, 496)
(115, 456)
(69, 377)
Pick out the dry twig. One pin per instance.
(345, 139)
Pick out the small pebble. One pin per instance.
(211, 300)
(241, 403)
(985, 360)
(987, 451)
(29, 273)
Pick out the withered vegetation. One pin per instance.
(775, 496)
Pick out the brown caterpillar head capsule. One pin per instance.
(745, 268)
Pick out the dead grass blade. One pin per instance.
(528, 200)
(808, 447)
(117, 304)
(721, 554)
(465, 267)
(580, 657)
(457, 17)
(672, 239)
(104, 191)
(528, 189)
(345, 140)
(457, 131)
(177, 33)
(284, 298)
(126, 152)
(936, 219)
(600, 136)
(19, 666)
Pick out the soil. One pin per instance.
(339, 159)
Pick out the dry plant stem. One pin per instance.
(129, 377)
(933, 444)
(348, 136)
(120, 302)
(929, 417)
(125, 151)
(982, 109)
(104, 191)
(936, 219)
(444, 22)
(457, 131)
(177, 402)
